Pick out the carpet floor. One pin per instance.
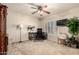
(45, 47)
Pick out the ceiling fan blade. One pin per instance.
(34, 12)
(46, 12)
(33, 8)
(33, 4)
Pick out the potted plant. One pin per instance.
(73, 27)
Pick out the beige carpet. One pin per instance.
(40, 48)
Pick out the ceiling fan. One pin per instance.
(40, 9)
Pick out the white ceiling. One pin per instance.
(54, 8)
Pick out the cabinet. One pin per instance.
(3, 38)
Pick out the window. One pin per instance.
(49, 27)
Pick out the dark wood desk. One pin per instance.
(32, 35)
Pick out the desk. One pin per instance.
(32, 35)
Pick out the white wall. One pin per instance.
(66, 14)
(13, 19)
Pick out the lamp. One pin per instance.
(41, 13)
(20, 26)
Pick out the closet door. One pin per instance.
(3, 13)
